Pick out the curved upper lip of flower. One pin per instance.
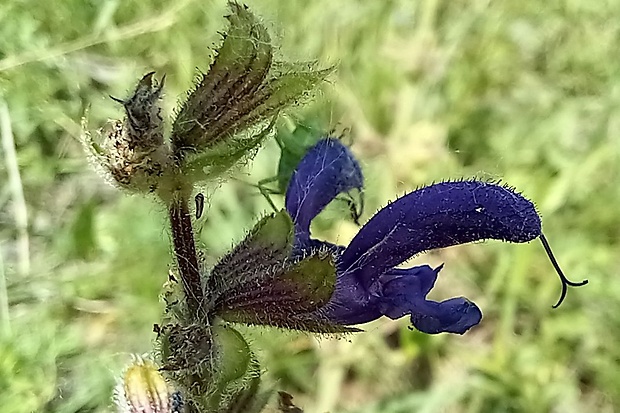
(437, 216)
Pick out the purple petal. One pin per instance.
(438, 216)
(327, 170)
(425, 276)
(397, 293)
(456, 315)
(351, 303)
(404, 292)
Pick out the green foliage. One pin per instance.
(523, 91)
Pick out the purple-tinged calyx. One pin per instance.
(262, 282)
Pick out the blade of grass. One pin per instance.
(5, 319)
(20, 211)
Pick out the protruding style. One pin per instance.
(565, 281)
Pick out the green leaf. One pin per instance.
(213, 163)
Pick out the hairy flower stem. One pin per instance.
(185, 251)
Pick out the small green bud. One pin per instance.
(237, 376)
(213, 365)
(233, 352)
(186, 349)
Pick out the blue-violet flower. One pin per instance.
(368, 284)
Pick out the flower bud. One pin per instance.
(231, 110)
(142, 389)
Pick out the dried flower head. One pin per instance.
(224, 119)
(132, 153)
(144, 124)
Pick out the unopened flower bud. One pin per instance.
(232, 108)
(142, 389)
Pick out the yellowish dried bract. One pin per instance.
(142, 389)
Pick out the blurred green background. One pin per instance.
(527, 92)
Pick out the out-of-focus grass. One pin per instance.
(527, 91)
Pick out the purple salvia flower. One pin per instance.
(368, 285)
(326, 171)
